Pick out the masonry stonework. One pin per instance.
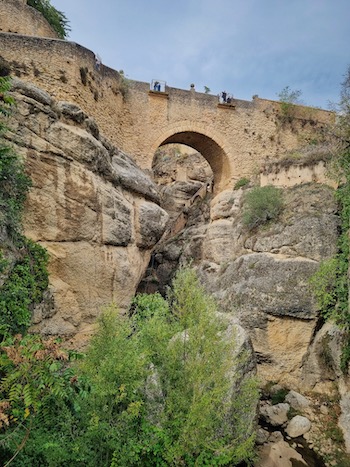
(17, 17)
(236, 139)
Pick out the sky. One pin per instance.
(245, 47)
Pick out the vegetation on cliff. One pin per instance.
(261, 205)
(23, 273)
(331, 283)
(156, 387)
(54, 17)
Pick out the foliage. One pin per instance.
(34, 379)
(261, 204)
(289, 98)
(166, 385)
(155, 389)
(14, 186)
(330, 283)
(124, 84)
(206, 90)
(241, 183)
(323, 285)
(26, 277)
(54, 17)
(14, 183)
(23, 287)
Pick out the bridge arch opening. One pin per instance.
(209, 149)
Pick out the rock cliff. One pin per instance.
(90, 205)
(262, 275)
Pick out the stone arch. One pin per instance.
(211, 148)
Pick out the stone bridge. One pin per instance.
(236, 139)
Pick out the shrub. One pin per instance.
(241, 182)
(261, 205)
(323, 285)
(35, 380)
(123, 84)
(14, 186)
(155, 388)
(289, 99)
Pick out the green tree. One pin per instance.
(168, 384)
(54, 17)
(156, 388)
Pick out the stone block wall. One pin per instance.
(17, 17)
(69, 73)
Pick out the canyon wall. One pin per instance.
(90, 206)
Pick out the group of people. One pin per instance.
(225, 98)
(156, 86)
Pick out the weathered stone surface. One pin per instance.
(321, 367)
(276, 415)
(32, 91)
(298, 426)
(262, 276)
(152, 221)
(90, 206)
(278, 454)
(297, 401)
(282, 292)
(132, 178)
(262, 436)
(225, 204)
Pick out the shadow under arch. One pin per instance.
(208, 148)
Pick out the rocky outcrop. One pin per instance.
(90, 205)
(261, 275)
(322, 368)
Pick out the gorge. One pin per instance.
(121, 197)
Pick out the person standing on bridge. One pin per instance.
(224, 96)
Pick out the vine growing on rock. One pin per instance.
(23, 272)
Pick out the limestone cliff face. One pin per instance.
(261, 276)
(93, 209)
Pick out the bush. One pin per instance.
(155, 389)
(324, 286)
(35, 382)
(14, 186)
(289, 99)
(241, 182)
(261, 205)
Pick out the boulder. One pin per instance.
(278, 454)
(276, 415)
(298, 426)
(297, 401)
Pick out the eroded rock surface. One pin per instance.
(261, 276)
(90, 205)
